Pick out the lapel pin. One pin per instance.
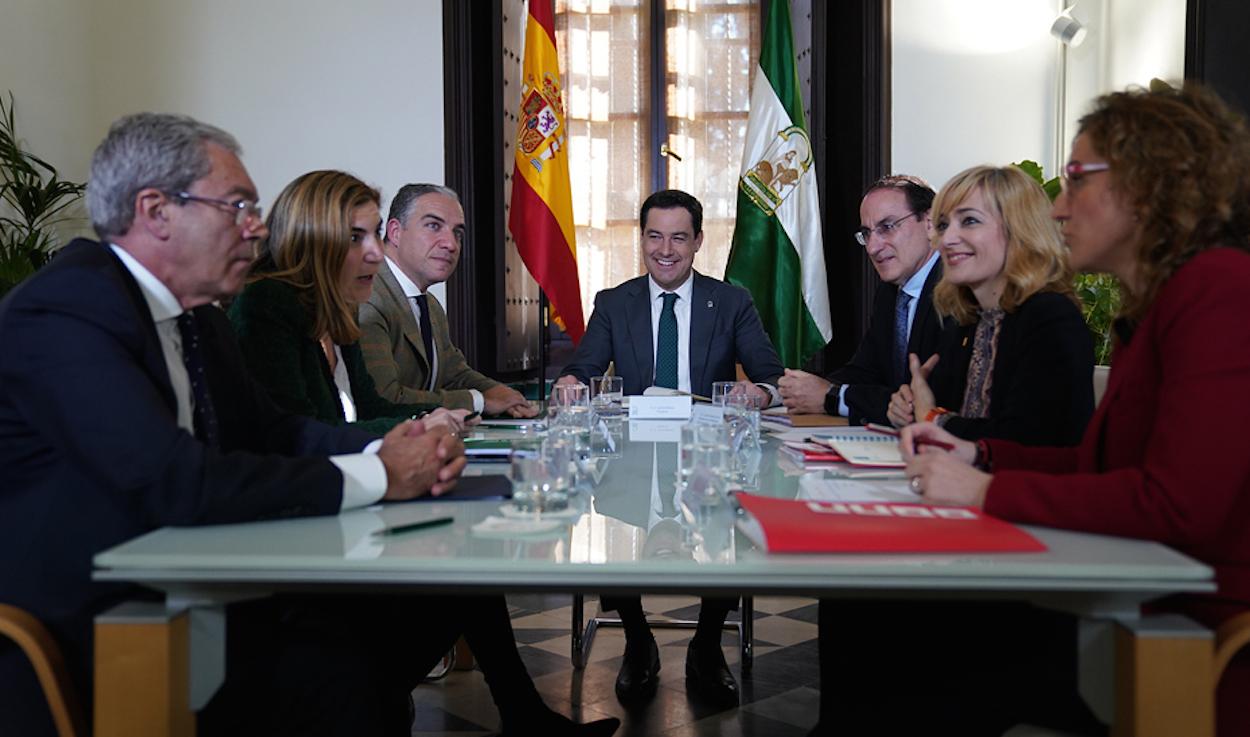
(709, 303)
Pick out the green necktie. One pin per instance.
(666, 345)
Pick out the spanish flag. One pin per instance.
(541, 217)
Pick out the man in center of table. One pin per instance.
(678, 329)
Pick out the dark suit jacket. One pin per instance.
(395, 355)
(274, 331)
(1042, 390)
(91, 454)
(869, 376)
(725, 329)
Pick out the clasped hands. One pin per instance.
(420, 459)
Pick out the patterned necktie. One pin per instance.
(900, 337)
(427, 336)
(203, 416)
(666, 345)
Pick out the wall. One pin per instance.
(982, 81)
(303, 84)
(1129, 42)
(973, 83)
(44, 57)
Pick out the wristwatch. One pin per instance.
(831, 399)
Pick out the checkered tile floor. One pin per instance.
(780, 699)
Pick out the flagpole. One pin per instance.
(542, 343)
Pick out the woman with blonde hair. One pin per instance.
(1157, 193)
(297, 326)
(296, 319)
(1016, 358)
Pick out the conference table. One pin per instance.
(627, 531)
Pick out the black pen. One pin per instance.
(436, 522)
(472, 416)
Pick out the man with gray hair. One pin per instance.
(125, 406)
(404, 334)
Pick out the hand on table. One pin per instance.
(453, 420)
(420, 461)
(503, 399)
(759, 398)
(803, 393)
(942, 476)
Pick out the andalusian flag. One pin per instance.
(541, 217)
(777, 250)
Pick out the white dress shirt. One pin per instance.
(412, 291)
(681, 309)
(912, 288)
(364, 476)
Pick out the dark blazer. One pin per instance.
(1042, 390)
(869, 376)
(274, 331)
(91, 454)
(725, 330)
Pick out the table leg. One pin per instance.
(142, 657)
(1163, 676)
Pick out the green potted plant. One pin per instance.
(33, 201)
(1099, 293)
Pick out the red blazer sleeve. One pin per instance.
(1165, 455)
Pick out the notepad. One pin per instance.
(875, 451)
(483, 449)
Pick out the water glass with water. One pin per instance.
(742, 415)
(537, 483)
(607, 395)
(720, 390)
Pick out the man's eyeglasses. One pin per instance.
(1075, 171)
(243, 209)
(882, 230)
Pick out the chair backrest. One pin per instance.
(36, 642)
(1100, 382)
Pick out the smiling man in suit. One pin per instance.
(894, 231)
(404, 333)
(125, 406)
(679, 329)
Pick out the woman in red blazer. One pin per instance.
(1157, 193)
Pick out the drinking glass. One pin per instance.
(720, 390)
(743, 418)
(537, 485)
(606, 395)
(570, 406)
(701, 443)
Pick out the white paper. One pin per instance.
(814, 487)
(659, 408)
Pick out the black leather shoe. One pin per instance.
(708, 676)
(640, 672)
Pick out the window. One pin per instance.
(620, 114)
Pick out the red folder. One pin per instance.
(797, 526)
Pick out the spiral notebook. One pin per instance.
(871, 451)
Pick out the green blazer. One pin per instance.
(395, 356)
(274, 332)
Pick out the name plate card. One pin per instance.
(659, 408)
(707, 414)
(655, 431)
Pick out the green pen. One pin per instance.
(436, 522)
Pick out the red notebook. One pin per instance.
(811, 452)
(796, 526)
